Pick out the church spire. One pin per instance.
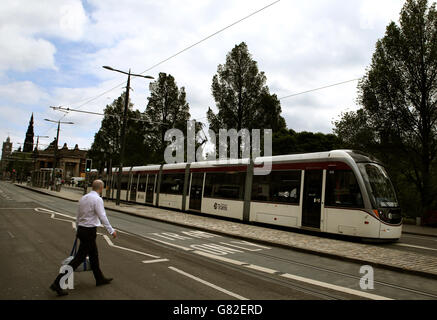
(28, 142)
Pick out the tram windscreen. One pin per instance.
(378, 184)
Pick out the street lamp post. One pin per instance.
(56, 147)
(123, 127)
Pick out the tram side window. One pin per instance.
(225, 185)
(124, 182)
(278, 186)
(172, 183)
(342, 189)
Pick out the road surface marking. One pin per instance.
(155, 261)
(214, 249)
(245, 243)
(223, 259)
(170, 236)
(128, 249)
(209, 284)
(262, 269)
(11, 235)
(414, 246)
(335, 287)
(53, 213)
(232, 261)
(16, 208)
(297, 278)
(43, 210)
(169, 244)
(197, 234)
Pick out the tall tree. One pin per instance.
(399, 96)
(106, 145)
(289, 142)
(167, 108)
(28, 142)
(242, 98)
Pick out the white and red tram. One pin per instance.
(341, 192)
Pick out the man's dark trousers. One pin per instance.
(87, 247)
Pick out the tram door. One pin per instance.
(133, 188)
(196, 191)
(312, 198)
(150, 188)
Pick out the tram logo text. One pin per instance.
(243, 144)
(221, 206)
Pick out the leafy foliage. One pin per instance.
(167, 108)
(398, 96)
(242, 98)
(106, 145)
(289, 142)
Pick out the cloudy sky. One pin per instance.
(51, 53)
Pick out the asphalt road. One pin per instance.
(156, 260)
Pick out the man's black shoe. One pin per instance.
(61, 292)
(103, 281)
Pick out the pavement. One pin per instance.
(416, 255)
(155, 259)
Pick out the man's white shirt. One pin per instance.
(91, 212)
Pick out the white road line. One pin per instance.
(335, 287)
(16, 209)
(223, 259)
(43, 210)
(414, 246)
(169, 244)
(53, 213)
(128, 249)
(297, 278)
(262, 269)
(155, 261)
(232, 261)
(209, 284)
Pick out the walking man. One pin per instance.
(91, 214)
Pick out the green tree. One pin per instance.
(289, 142)
(398, 96)
(242, 98)
(167, 108)
(106, 145)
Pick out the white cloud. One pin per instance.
(23, 54)
(25, 25)
(22, 92)
(300, 45)
(371, 18)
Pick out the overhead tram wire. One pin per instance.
(307, 91)
(87, 101)
(282, 98)
(320, 88)
(211, 35)
(180, 52)
(66, 110)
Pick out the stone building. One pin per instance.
(71, 161)
(6, 152)
(28, 142)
